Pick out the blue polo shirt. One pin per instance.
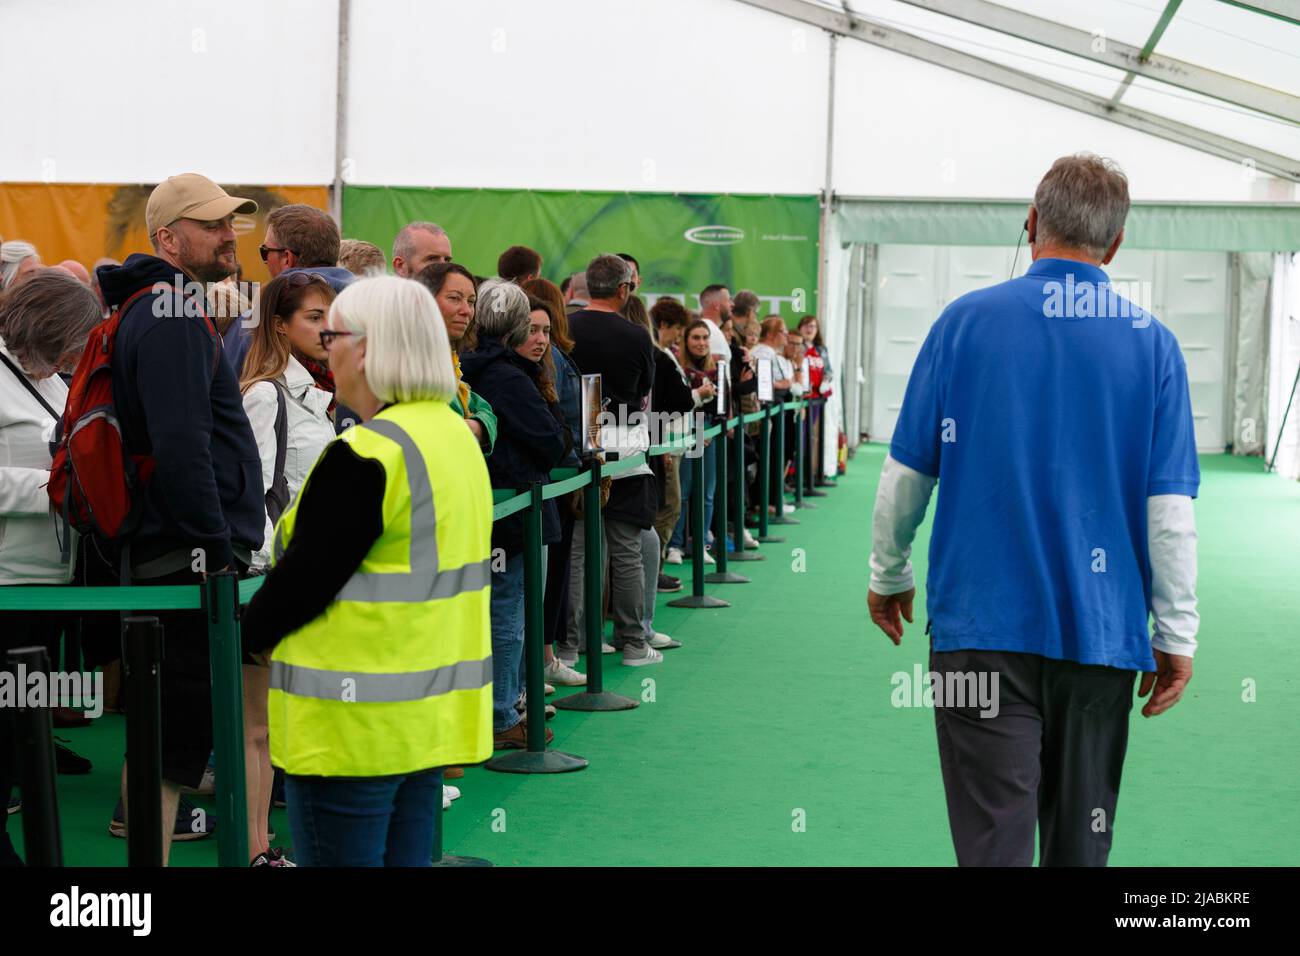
(1050, 409)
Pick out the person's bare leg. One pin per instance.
(258, 774)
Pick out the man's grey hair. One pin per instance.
(403, 242)
(1082, 203)
(502, 311)
(745, 302)
(605, 274)
(45, 318)
(578, 286)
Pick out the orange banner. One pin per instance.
(86, 221)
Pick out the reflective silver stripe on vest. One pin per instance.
(362, 688)
(424, 582)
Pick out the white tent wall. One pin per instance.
(1284, 361)
(1253, 281)
(651, 95)
(107, 91)
(907, 128)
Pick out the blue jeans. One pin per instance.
(364, 821)
(687, 473)
(507, 642)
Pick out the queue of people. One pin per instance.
(341, 436)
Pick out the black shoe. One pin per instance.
(277, 789)
(65, 761)
(668, 583)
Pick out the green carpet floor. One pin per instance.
(770, 738)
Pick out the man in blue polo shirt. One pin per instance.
(1056, 419)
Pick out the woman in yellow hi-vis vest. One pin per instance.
(375, 613)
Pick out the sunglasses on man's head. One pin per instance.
(296, 279)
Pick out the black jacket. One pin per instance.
(532, 437)
(179, 402)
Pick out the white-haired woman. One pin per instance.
(44, 324)
(18, 261)
(375, 611)
(532, 438)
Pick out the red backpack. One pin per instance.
(95, 484)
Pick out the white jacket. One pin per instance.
(309, 426)
(29, 530)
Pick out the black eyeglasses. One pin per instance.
(264, 251)
(327, 337)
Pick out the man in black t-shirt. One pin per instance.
(606, 344)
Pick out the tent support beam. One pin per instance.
(1284, 10)
(341, 112)
(1122, 56)
(897, 41)
(1149, 47)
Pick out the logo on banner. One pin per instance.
(715, 235)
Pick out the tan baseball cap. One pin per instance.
(191, 196)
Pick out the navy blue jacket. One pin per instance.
(178, 400)
(532, 437)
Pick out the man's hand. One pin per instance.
(1173, 671)
(886, 610)
(476, 427)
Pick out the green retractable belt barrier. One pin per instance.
(222, 594)
(595, 697)
(535, 758)
(721, 575)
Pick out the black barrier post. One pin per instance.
(221, 599)
(141, 669)
(722, 575)
(801, 442)
(765, 462)
(697, 597)
(42, 843)
(782, 423)
(738, 512)
(448, 859)
(536, 758)
(813, 448)
(595, 697)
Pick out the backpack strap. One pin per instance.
(281, 433)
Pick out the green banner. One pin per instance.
(683, 242)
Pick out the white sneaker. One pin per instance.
(749, 540)
(674, 556)
(708, 558)
(607, 648)
(207, 786)
(550, 689)
(651, 656)
(662, 642)
(559, 672)
(789, 509)
(449, 793)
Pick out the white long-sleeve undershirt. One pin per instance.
(904, 495)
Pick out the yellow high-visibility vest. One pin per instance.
(396, 675)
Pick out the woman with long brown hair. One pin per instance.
(700, 367)
(289, 399)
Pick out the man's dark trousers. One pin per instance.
(1052, 756)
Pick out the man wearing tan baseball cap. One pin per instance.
(177, 399)
(191, 225)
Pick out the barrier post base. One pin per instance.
(725, 577)
(814, 493)
(748, 554)
(529, 761)
(781, 519)
(769, 538)
(450, 859)
(602, 701)
(699, 601)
